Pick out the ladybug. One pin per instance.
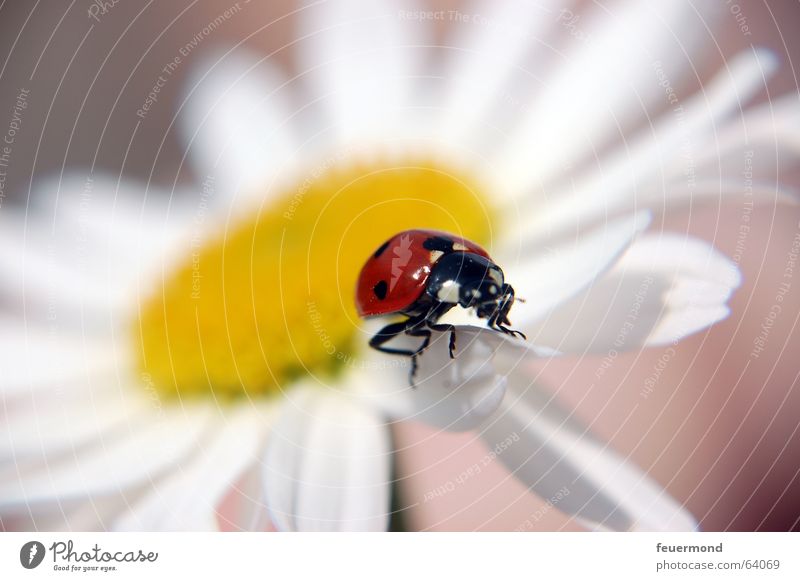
(422, 274)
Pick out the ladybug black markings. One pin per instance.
(380, 289)
(429, 273)
(381, 249)
(439, 243)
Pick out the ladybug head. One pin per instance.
(468, 279)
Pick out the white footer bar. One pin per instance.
(406, 556)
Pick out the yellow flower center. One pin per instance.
(272, 297)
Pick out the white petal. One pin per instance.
(606, 80)
(633, 175)
(546, 277)
(189, 498)
(79, 255)
(664, 288)
(236, 122)
(702, 282)
(71, 417)
(245, 507)
(91, 515)
(69, 357)
(681, 254)
(754, 150)
(686, 321)
(39, 277)
(711, 190)
(548, 451)
(327, 465)
(483, 53)
(362, 58)
(136, 456)
(105, 218)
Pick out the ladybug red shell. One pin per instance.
(396, 274)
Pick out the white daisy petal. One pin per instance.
(236, 123)
(702, 280)
(69, 357)
(77, 259)
(327, 465)
(602, 84)
(102, 218)
(547, 277)
(245, 508)
(360, 57)
(714, 190)
(38, 278)
(546, 449)
(728, 93)
(679, 254)
(67, 421)
(483, 53)
(189, 498)
(283, 461)
(107, 468)
(681, 323)
(90, 515)
(664, 288)
(756, 147)
(632, 176)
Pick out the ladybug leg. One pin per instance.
(391, 331)
(512, 332)
(433, 315)
(446, 328)
(420, 333)
(492, 322)
(388, 333)
(499, 318)
(417, 333)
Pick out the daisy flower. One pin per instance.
(192, 359)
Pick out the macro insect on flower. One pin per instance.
(209, 368)
(423, 274)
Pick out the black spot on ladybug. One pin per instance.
(383, 247)
(439, 243)
(380, 289)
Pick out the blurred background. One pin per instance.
(721, 427)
